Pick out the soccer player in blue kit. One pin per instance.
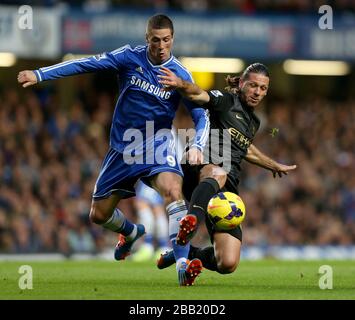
(142, 108)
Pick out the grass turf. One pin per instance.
(126, 280)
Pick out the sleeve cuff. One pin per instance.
(38, 75)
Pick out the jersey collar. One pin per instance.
(158, 65)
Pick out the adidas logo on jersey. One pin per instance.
(100, 56)
(139, 69)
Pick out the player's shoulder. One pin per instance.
(129, 51)
(221, 98)
(221, 94)
(180, 69)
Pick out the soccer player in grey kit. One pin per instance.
(232, 111)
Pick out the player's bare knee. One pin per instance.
(215, 172)
(169, 186)
(226, 263)
(97, 216)
(176, 193)
(227, 266)
(172, 193)
(93, 216)
(221, 179)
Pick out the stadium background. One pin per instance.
(53, 137)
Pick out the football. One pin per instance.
(226, 210)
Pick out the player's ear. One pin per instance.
(240, 83)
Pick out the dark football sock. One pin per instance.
(201, 196)
(206, 255)
(192, 252)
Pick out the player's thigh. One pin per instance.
(169, 185)
(227, 251)
(215, 172)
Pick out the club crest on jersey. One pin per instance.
(217, 93)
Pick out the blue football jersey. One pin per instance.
(141, 99)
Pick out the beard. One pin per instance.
(248, 101)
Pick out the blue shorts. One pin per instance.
(119, 177)
(148, 194)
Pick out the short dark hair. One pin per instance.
(233, 82)
(160, 21)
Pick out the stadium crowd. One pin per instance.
(315, 204)
(50, 156)
(238, 6)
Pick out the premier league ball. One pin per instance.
(226, 210)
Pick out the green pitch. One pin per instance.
(266, 279)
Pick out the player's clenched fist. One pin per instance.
(27, 78)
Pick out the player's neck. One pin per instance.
(157, 61)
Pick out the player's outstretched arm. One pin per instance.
(255, 156)
(111, 60)
(27, 78)
(189, 90)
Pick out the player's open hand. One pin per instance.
(169, 79)
(281, 169)
(27, 78)
(194, 156)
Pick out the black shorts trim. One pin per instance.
(192, 177)
(236, 233)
